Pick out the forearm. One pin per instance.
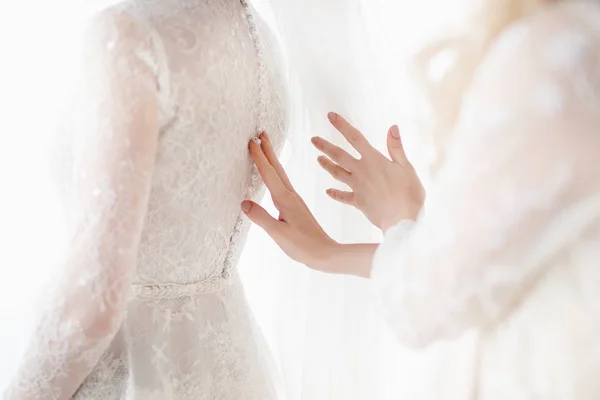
(349, 259)
(48, 373)
(81, 313)
(64, 349)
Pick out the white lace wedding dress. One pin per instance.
(148, 304)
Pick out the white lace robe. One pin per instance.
(148, 304)
(496, 287)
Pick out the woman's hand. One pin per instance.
(385, 191)
(296, 231)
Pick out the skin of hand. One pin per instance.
(385, 191)
(296, 231)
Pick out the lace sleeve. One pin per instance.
(114, 146)
(519, 186)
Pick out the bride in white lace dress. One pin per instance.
(149, 304)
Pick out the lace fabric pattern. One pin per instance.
(148, 304)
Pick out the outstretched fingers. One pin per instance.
(274, 183)
(352, 135)
(395, 147)
(260, 216)
(267, 148)
(341, 196)
(334, 152)
(335, 170)
(267, 172)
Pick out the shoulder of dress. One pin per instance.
(120, 33)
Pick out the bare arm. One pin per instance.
(519, 187)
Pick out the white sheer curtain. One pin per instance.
(349, 56)
(37, 38)
(27, 222)
(324, 331)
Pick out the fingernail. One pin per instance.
(395, 132)
(320, 159)
(332, 116)
(246, 206)
(264, 135)
(314, 139)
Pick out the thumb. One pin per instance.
(394, 145)
(259, 216)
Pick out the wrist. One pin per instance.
(393, 220)
(346, 259)
(390, 222)
(324, 259)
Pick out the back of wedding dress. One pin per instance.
(148, 304)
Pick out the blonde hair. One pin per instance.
(445, 95)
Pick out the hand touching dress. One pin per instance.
(519, 187)
(296, 229)
(299, 234)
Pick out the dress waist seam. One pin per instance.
(157, 291)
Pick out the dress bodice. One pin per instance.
(154, 164)
(219, 74)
